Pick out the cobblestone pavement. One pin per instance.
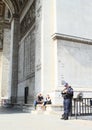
(14, 119)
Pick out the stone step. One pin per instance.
(27, 108)
(40, 108)
(53, 107)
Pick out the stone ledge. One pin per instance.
(71, 38)
(54, 107)
(40, 107)
(49, 107)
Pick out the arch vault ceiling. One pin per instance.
(16, 6)
(8, 8)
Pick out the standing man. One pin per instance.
(67, 94)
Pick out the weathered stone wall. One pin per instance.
(43, 62)
(48, 47)
(5, 83)
(21, 90)
(74, 64)
(38, 36)
(73, 17)
(26, 70)
(29, 54)
(0, 72)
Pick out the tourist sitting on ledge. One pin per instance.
(48, 100)
(39, 100)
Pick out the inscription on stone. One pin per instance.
(74, 63)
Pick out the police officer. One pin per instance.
(67, 94)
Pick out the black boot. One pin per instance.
(66, 117)
(63, 116)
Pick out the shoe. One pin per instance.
(66, 117)
(63, 116)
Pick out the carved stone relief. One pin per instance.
(21, 62)
(1, 9)
(27, 57)
(28, 20)
(29, 64)
(21, 4)
(1, 37)
(38, 35)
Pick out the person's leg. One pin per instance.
(67, 108)
(35, 104)
(64, 105)
(70, 107)
(45, 102)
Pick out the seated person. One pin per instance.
(39, 100)
(48, 100)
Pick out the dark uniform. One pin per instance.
(67, 94)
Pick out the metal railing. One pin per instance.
(82, 106)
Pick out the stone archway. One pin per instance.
(9, 69)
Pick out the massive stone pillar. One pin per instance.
(5, 63)
(15, 30)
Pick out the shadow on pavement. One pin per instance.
(10, 110)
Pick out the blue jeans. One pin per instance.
(37, 102)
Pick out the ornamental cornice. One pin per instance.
(58, 36)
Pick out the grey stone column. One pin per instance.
(15, 33)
